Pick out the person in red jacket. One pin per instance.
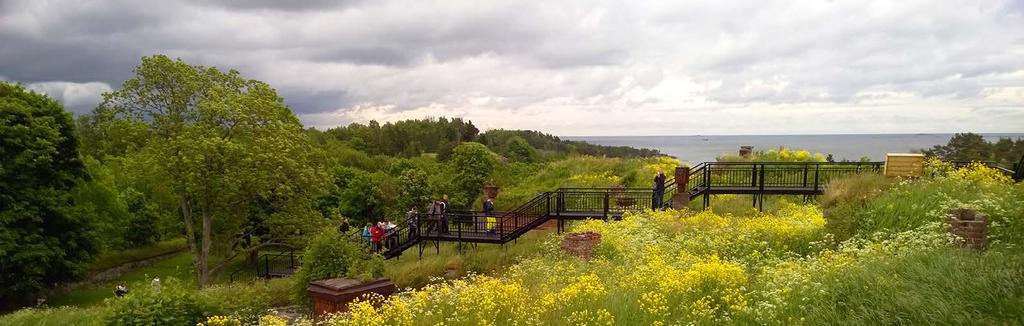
(377, 234)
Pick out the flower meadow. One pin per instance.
(701, 268)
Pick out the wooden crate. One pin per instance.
(904, 165)
(334, 295)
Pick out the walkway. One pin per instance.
(705, 179)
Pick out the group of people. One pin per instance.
(384, 234)
(380, 233)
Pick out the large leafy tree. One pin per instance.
(232, 155)
(471, 165)
(43, 237)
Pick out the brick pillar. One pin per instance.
(970, 225)
(682, 196)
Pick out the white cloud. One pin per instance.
(77, 97)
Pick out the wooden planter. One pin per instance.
(334, 295)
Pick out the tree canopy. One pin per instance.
(44, 237)
(242, 172)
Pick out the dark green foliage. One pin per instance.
(518, 150)
(471, 165)
(356, 196)
(552, 146)
(44, 237)
(332, 254)
(173, 304)
(973, 147)
(406, 138)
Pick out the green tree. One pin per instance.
(355, 196)
(232, 154)
(962, 147)
(471, 165)
(518, 150)
(44, 236)
(414, 190)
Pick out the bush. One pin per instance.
(246, 302)
(173, 304)
(331, 254)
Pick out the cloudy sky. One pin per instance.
(563, 67)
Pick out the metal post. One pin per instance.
(817, 168)
(805, 176)
(606, 197)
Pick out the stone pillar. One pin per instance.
(745, 151)
(681, 198)
(970, 225)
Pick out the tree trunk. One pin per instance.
(190, 234)
(204, 275)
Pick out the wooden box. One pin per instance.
(334, 295)
(904, 165)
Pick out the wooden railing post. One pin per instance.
(681, 198)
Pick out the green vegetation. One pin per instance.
(782, 267)
(226, 149)
(177, 266)
(771, 155)
(46, 234)
(332, 254)
(510, 143)
(967, 147)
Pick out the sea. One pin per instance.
(697, 148)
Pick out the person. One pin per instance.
(343, 228)
(444, 213)
(659, 189)
(438, 211)
(155, 284)
(389, 234)
(121, 290)
(410, 220)
(378, 235)
(489, 214)
(367, 235)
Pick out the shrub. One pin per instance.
(246, 302)
(332, 254)
(173, 304)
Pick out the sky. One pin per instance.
(571, 68)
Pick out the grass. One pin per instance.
(61, 316)
(178, 266)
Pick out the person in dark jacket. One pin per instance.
(489, 215)
(659, 190)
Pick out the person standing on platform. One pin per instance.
(659, 190)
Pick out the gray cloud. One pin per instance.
(395, 59)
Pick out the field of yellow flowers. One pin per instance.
(692, 268)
